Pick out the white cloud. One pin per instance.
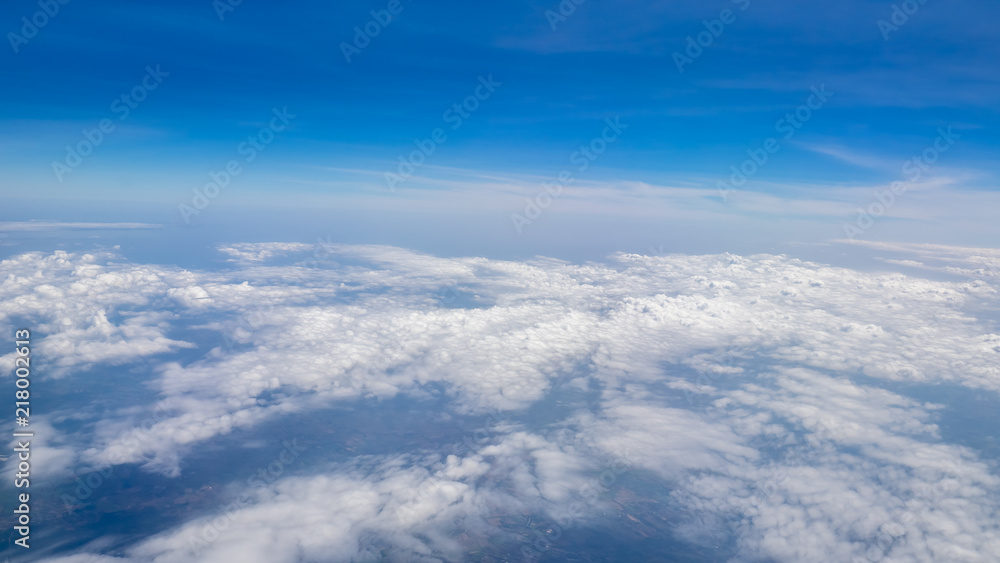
(50, 457)
(801, 447)
(55, 225)
(69, 297)
(261, 252)
(397, 507)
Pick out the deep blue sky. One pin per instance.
(606, 59)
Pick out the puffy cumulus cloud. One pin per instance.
(260, 252)
(801, 452)
(669, 441)
(811, 467)
(399, 508)
(501, 358)
(191, 297)
(72, 298)
(883, 325)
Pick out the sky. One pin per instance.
(354, 105)
(400, 280)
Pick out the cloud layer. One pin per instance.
(765, 396)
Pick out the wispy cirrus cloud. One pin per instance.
(59, 225)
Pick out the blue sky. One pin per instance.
(740, 256)
(892, 90)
